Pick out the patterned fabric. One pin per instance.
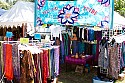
(8, 62)
(109, 33)
(113, 61)
(119, 57)
(37, 78)
(16, 61)
(27, 67)
(103, 59)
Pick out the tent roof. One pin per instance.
(21, 12)
(2, 11)
(118, 20)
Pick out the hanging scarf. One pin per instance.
(8, 63)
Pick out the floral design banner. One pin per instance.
(80, 12)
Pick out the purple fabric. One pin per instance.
(69, 42)
(62, 52)
(16, 61)
(98, 37)
(4, 53)
(83, 61)
(56, 58)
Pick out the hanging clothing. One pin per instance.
(55, 31)
(62, 54)
(37, 63)
(16, 62)
(74, 47)
(52, 64)
(90, 35)
(0, 61)
(113, 61)
(81, 47)
(98, 36)
(85, 34)
(56, 60)
(8, 63)
(45, 65)
(1, 31)
(123, 52)
(27, 67)
(103, 59)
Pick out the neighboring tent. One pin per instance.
(119, 21)
(21, 12)
(2, 11)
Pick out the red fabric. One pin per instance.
(45, 66)
(8, 62)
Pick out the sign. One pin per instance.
(37, 36)
(24, 40)
(78, 12)
(9, 34)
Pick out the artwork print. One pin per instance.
(74, 12)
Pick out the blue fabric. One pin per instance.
(81, 47)
(90, 35)
(123, 53)
(52, 63)
(74, 47)
(94, 49)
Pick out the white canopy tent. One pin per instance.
(119, 21)
(21, 13)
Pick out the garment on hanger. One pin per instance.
(113, 61)
(85, 34)
(8, 63)
(103, 59)
(4, 30)
(55, 31)
(16, 62)
(27, 67)
(90, 35)
(1, 30)
(74, 47)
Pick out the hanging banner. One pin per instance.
(78, 12)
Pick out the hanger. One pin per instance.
(103, 41)
(112, 42)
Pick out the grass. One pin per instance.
(70, 76)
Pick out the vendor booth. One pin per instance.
(81, 33)
(20, 15)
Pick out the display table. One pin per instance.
(79, 61)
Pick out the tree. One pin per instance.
(119, 6)
(4, 5)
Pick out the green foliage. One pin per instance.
(119, 6)
(4, 5)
